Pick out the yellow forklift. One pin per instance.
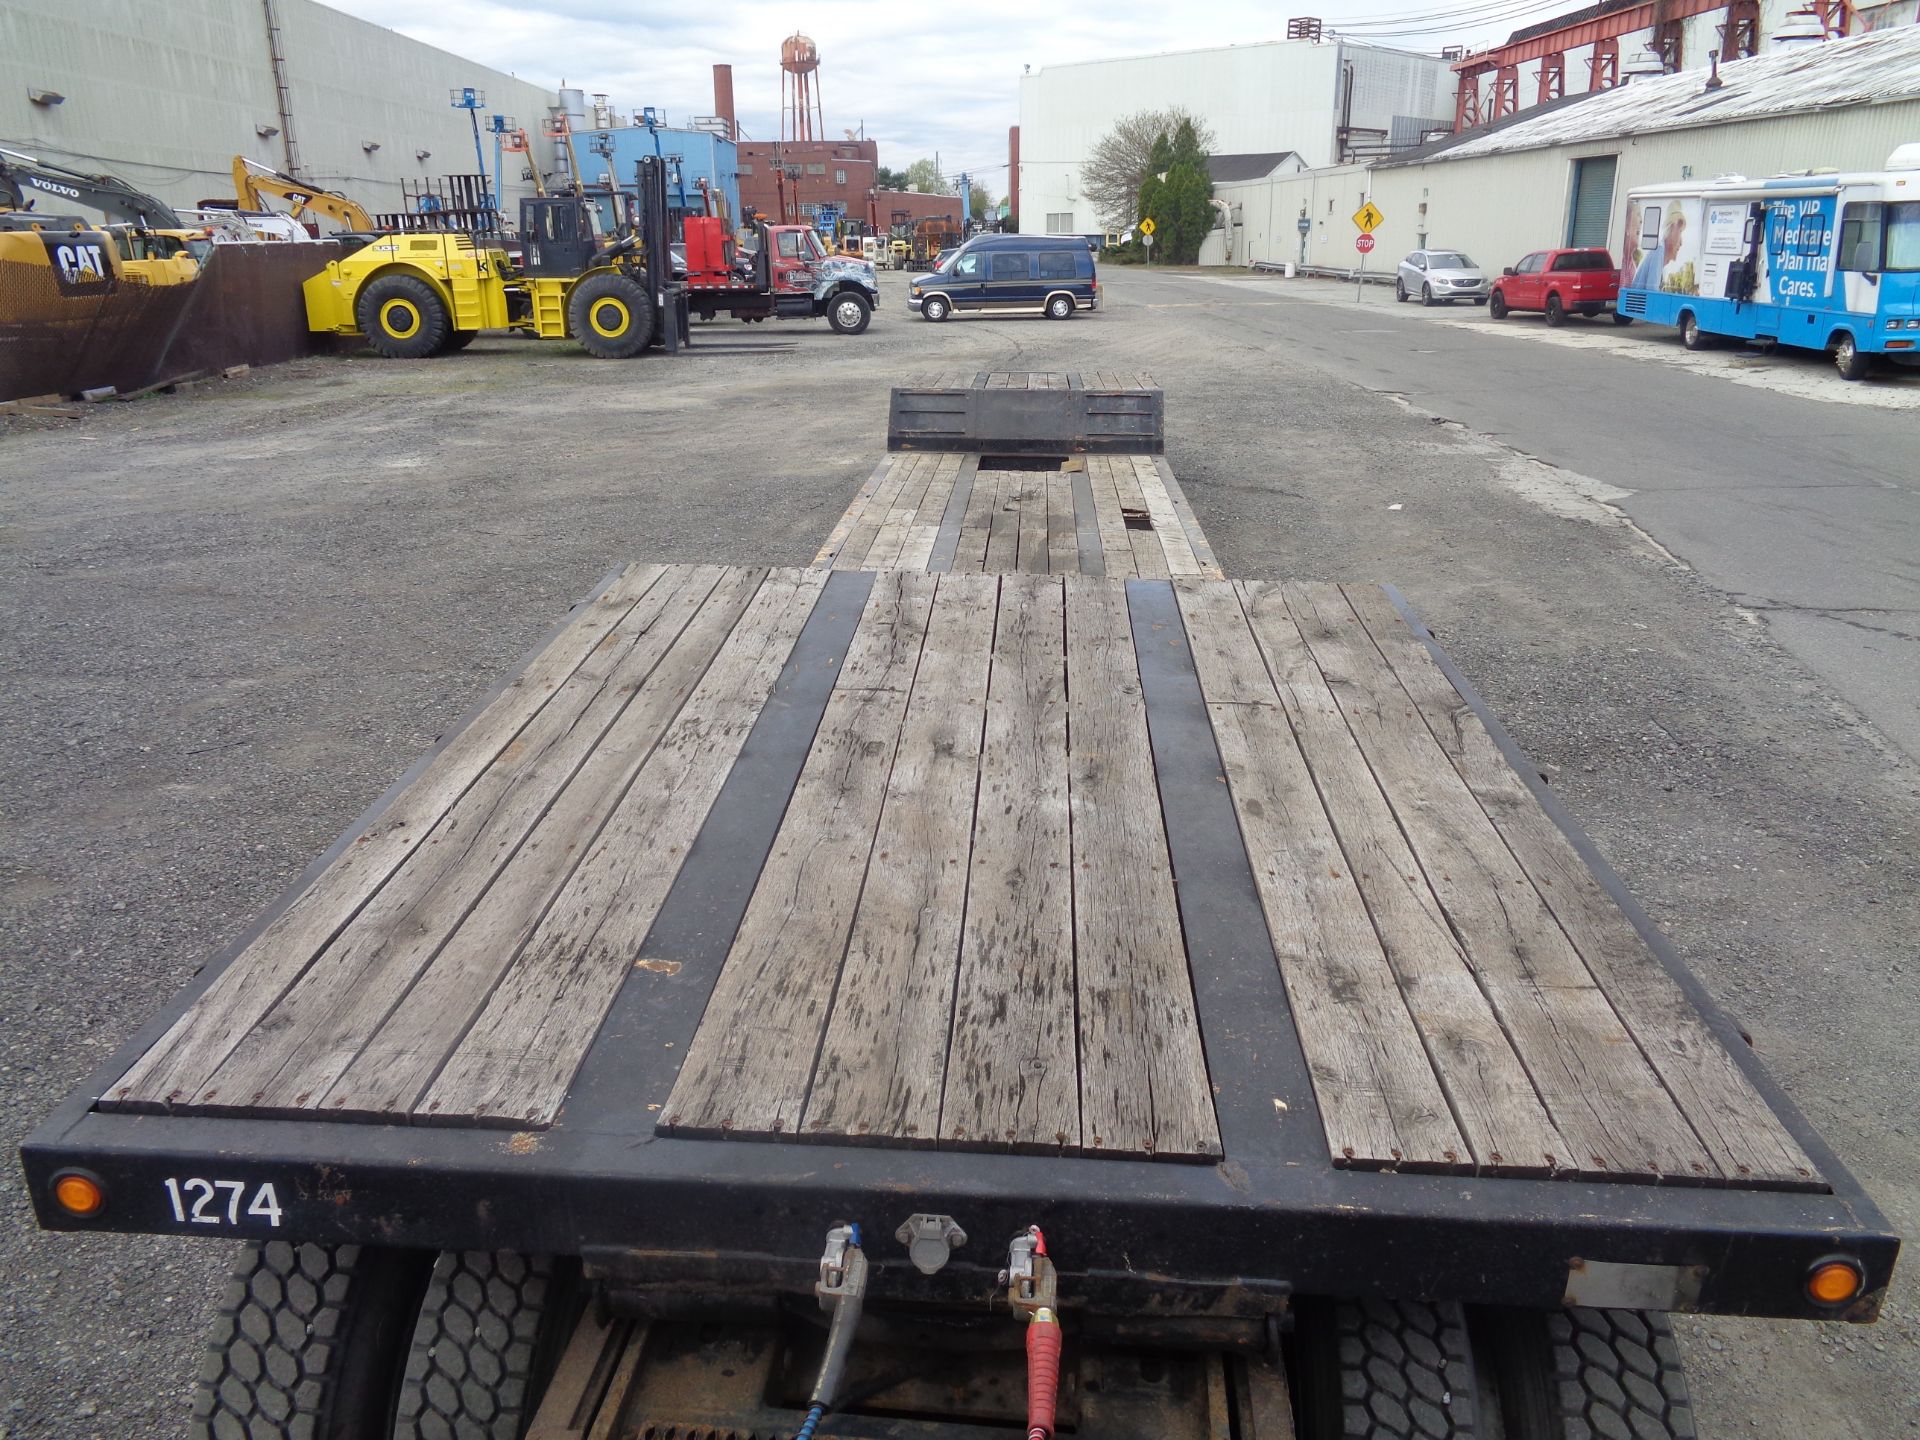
(419, 295)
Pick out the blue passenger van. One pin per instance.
(1051, 275)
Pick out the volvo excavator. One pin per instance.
(142, 241)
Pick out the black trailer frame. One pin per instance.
(1216, 1242)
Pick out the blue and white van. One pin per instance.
(1051, 275)
(1819, 260)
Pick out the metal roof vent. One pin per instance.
(1801, 27)
(1646, 63)
(1905, 157)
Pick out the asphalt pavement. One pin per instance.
(1794, 492)
(230, 617)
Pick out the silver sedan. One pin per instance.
(1436, 275)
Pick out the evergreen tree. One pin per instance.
(1160, 158)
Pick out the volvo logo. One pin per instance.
(53, 187)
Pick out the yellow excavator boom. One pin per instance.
(254, 182)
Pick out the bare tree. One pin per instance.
(1112, 174)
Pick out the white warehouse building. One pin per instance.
(1323, 101)
(1559, 174)
(164, 96)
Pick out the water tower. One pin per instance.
(800, 117)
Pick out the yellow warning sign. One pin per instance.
(1368, 218)
(1147, 227)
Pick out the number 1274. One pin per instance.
(217, 1202)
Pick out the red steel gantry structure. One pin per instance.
(1602, 27)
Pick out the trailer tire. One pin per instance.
(849, 312)
(611, 316)
(309, 1342)
(1385, 1370)
(1584, 1374)
(403, 318)
(489, 1334)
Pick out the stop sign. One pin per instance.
(1364, 244)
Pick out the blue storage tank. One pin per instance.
(703, 156)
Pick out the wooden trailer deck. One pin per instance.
(1117, 511)
(983, 919)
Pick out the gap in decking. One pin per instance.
(1049, 464)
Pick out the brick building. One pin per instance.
(832, 172)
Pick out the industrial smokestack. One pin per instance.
(723, 98)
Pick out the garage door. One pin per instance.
(1592, 209)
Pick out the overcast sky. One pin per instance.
(920, 77)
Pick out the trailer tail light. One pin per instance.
(79, 1194)
(1834, 1280)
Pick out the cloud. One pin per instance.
(920, 79)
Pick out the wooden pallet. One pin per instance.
(968, 927)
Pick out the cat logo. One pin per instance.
(80, 262)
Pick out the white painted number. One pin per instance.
(194, 1201)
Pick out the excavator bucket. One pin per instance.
(1020, 414)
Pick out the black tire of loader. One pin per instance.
(1583, 1374)
(490, 1332)
(629, 299)
(429, 335)
(309, 1342)
(1383, 1370)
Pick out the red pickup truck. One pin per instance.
(1559, 282)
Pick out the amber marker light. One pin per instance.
(79, 1194)
(1834, 1281)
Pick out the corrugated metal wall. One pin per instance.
(167, 95)
(1499, 207)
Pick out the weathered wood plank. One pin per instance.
(1030, 494)
(1011, 1075)
(1063, 537)
(1745, 1137)
(304, 1043)
(1598, 1087)
(866, 529)
(178, 1064)
(843, 528)
(1003, 540)
(394, 1066)
(1380, 1101)
(1114, 542)
(747, 1071)
(1143, 1078)
(884, 1057)
(892, 537)
(970, 556)
(517, 1060)
(1166, 522)
(1493, 1098)
(917, 550)
(1189, 522)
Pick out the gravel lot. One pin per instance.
(233, 615)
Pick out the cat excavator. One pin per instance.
(254, 182)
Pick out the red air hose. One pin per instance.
(1043, 1373)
